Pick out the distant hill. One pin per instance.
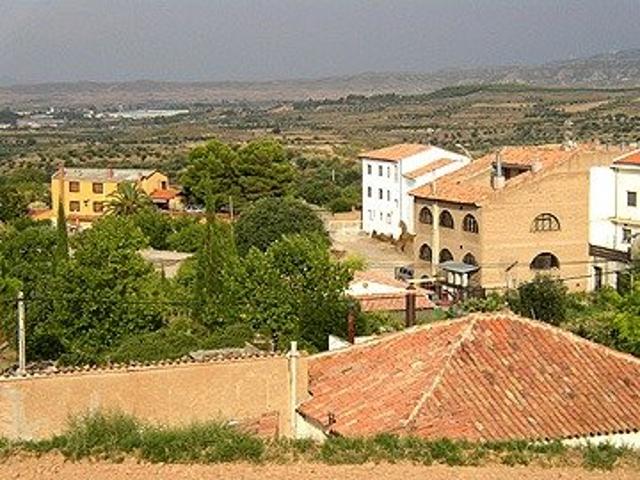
(610, 70)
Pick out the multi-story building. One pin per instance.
(509, 215)
(84, 192)
(614, 217)
(389, 174)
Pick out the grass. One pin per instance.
(116, 436)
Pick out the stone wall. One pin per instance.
(252, 392)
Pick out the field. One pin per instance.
(478, 117)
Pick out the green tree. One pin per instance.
(543, 298)
(62, 239)
(267, 220)
(155, 225)
(128, 199)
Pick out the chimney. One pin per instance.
(498, 180)
(410, 306)
(536, 166)
(351, 326)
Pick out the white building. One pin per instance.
(390, 173)
(614, 216)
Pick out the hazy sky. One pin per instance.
(55, 40)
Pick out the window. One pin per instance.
(445, 256)
(425, 253)
(632, 199)
(627, 236)
(97, 188)
(395, 173)
(98, 207)
(368, 169)
(369, 192)
(388, 218)
(380, 194)
(470, 224)
(74, 186)
(545, 222)
(380, 216)
(446, 220)
(425, 216)
(544, 261)
(597, 278)
(380, 170)
(469, 259)
(372, 214)
(163, 185)
(388, 195)
(388, 172)
(74, 206)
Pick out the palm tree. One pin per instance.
(128, 199)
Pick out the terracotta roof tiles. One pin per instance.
(395, 153)
(482, 377)
(429, 167)
(632, 158)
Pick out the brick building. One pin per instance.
(509, 215)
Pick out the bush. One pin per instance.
(543, 298)
(340, 204)
(603, 456)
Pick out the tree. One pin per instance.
(62, 238)
(155, 225)
(259, 169)
(128, 199)
(543, 298)
(267, 220)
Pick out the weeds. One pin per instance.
(115, 436)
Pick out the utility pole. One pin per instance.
(22, 344)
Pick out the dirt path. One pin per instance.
(53, 467)
(380, 256)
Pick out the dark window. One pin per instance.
(369, 169)
(74, 206)
(545, 222)
(425, 216)
(74, 186)
(445, 256)
(380, 194)
(163, 185)
(627, 236)
(425, 253)
(469, 259)
(97, 188)
(470, 224)
(388, 195)
(380, 170)
(632, 199)
(544, 261)
(597, 278)
(446, 220)
(369, 192)
(98, 207)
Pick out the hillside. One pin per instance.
(620, 69)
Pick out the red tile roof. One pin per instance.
(632, 158)
(167, 194)
(395, 153)
(391, 302)
(429, 167)
(482, 377)
(472, 183)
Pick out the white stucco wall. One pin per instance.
(601, 206)
(629, 440)
(627, 179)
(383, 215)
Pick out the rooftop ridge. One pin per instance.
(468, 332)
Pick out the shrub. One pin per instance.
(543, 298)
(603, 456)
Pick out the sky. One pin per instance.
(218, 40)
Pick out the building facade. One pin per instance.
(508, 216)
(85, 192)
(389, 174)
(614, 217)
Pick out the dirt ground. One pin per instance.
(53, 467)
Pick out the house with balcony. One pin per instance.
(390, 173)
(614, 217)
(85, 192)
(507, 216)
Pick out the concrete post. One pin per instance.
(435, 240)
(410, 306)
(293, 387)
(22, 344)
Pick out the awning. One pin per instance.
(458, 267)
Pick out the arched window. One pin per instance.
(425, 216)
(445, 256)
(545, 222)
(469, 259)
(446, 220)
(425, 253)
(470, 224)
(544, 261)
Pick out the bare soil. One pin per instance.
(51, 467)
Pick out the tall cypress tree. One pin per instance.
(62, 237)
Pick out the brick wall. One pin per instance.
(251, 392)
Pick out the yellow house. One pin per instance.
(84, 192)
